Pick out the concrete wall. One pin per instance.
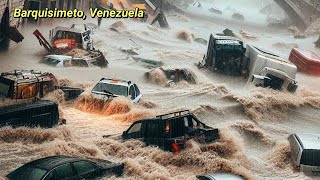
(12, 5)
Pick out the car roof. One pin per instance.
(62, 57)
(223, 176)
(49, 163)
(25, 76)
(116, 82)
(309, 141)
(60, 28)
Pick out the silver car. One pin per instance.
(305, 152)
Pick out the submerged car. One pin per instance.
(176, 74)
(108, 88)
(62, 167)
(70, 61)
(220, 176)
(171, 131)
(305, 153)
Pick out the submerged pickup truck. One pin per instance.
(227, 55)
(171, 131)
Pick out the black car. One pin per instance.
(171, 131)
(65, 168)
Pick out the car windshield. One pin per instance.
(51, 62)
(27, 173)
(111, 88)
(69, 35)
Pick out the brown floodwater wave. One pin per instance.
(34, 135)
(253, 132)
(119, 108)
(280, 155)
(142, 162)
(267, 104)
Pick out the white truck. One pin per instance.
(227, 55)
(269, 70)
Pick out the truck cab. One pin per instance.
(165, 130)
(270, 70)
(69, 38)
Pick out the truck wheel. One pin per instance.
(4, 31)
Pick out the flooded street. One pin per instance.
(254, 122)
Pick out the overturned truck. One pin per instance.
(227, 55)
(72, 42)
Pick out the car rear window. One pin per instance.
(112, 88)
(27, 173)
(310, 157)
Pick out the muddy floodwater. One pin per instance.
(254, 123)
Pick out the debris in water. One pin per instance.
(185, 35)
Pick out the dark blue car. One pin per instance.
(66, 168)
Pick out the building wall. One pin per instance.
(12, 4)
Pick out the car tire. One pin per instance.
(4, 31)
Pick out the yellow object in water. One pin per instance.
(140, 6)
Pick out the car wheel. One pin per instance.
(4, 31)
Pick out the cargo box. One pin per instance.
(43, 114)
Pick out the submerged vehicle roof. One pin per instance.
(60, 28)
(21, 76)
(172, 115)
(115, 81)
(222, 176)
(48, 163)
(309, 141)
(62, 57)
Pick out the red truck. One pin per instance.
(306, 61)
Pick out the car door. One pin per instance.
(132, 93)
(154, 133)
(86, 170)
(138, 93)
